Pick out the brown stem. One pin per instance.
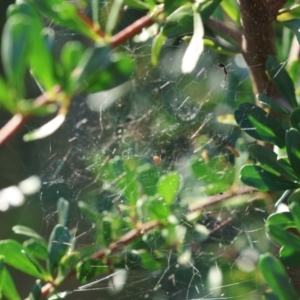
(17, 122)
(90, 24)
(258, 40)
(133, 29)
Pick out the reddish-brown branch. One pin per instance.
(18, 121)
(133, 29)
(90, 24)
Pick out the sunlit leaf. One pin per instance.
(289, 257)
(36, 248)
(168, 186)
(46, 129)
(195, 47)
(231, 9)
(19, 229)
(293, 25)
(16, 256)
(115, 10)
(68, 264)
(7, 285)
(276, 277)
(139, 4)
(267, 157)
(67, 14)
(156, 47)
(14, 50)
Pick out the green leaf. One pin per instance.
(38, 52)
(215, 176)
(89, 212)
(70, 56)
(63, 211)
(7, 285)
(45, 130)
(157, 209)
(14, 51)
(68, 15)
(273, 105)
(68, 264)
(138, 4)
(112, 70)
(230, 7)
(107, 231)
(282, 219)
(36, 248)
(267, 157)
(179, 23)
(89, 268)
(148, 176)
(168, 186)
(36, 291)
(157, 44)
(206, 8)
(294, 25)
(295, 196)
(59, 243)
(124, 170)
(289, 257)
(195, 47)
(260, 125)
(171, 5)
(295, 210)
(148, 262)
(113, 17)
(6, 97)
(284, 237)
(276, 277)
(293, 149)
(281, 79)
(264, 180)
(16, 256)
(19, 229)
(295, 118)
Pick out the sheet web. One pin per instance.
(185, 121)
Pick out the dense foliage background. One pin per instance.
(151, 148)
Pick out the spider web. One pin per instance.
(178, 118)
